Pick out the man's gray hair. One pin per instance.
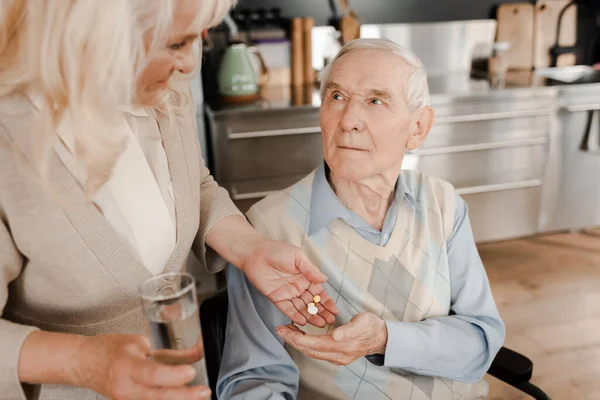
(417, 89)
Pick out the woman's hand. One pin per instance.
(278, 270)
(117, 366)
(285, 275)
(365, 334)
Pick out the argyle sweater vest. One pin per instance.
(406, 280)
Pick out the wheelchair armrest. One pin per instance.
(511, 367)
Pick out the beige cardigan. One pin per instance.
(62, 267)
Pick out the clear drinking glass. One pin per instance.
(171, 307)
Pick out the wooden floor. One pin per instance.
(547, 289)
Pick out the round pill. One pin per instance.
(317, 298)
(312, 310)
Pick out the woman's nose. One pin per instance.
(186, 63)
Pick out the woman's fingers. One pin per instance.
(152, 373)
(287, 307)
(325, 300)
(184, 393)
(181, 356)
(141, 392)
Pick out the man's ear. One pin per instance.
(424, 121)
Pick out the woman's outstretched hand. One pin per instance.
(286, 276)
(277, 269)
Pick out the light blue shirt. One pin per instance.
(460, 346)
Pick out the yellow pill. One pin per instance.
(317, 298)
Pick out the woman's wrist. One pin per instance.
(48, 357)
(235, 240)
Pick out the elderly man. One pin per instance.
(416, 315)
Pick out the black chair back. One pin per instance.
(213, 320)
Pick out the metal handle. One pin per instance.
(481, 146)
(582, 107)
(250, 196)
(494, 116)
(279, 132)
(499, 187)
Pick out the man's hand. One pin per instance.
(365, 334)
(284, 274)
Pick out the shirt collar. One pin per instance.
(136, 111)
(326, 206)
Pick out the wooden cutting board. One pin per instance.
(546, 19)
(515, 25)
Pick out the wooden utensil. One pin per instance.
(309, 72)
(515, 25)
(546, 22)
(297, 50)
(349, 24)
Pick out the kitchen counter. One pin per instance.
(443, 89)
(509, 152)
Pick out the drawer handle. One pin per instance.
(499, 187)
(494, 116)
(279, 132)
(481, 146)
(582, 107)
(249, 196)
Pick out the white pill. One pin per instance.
(313, 310)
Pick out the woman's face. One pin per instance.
(177, 55)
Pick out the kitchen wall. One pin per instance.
(387, 11)
(405, 11)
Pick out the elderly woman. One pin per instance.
(102, 187)
(416, 315)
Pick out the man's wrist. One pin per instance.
(382, 337)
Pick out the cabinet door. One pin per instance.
(572, 192)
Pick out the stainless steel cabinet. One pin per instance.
(572, 193)
(493, 148)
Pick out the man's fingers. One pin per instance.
(299, 339)
(153, 373)
(287, 307)
(308, 269)
(290, 335)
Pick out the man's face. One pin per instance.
(365, 122)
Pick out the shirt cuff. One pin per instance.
(13, 336)
(402, 348)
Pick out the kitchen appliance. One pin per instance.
(239, 81)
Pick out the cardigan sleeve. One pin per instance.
(12, 335)
(215, 204)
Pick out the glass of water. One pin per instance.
(171, 307)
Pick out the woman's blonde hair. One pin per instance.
(83, 57)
